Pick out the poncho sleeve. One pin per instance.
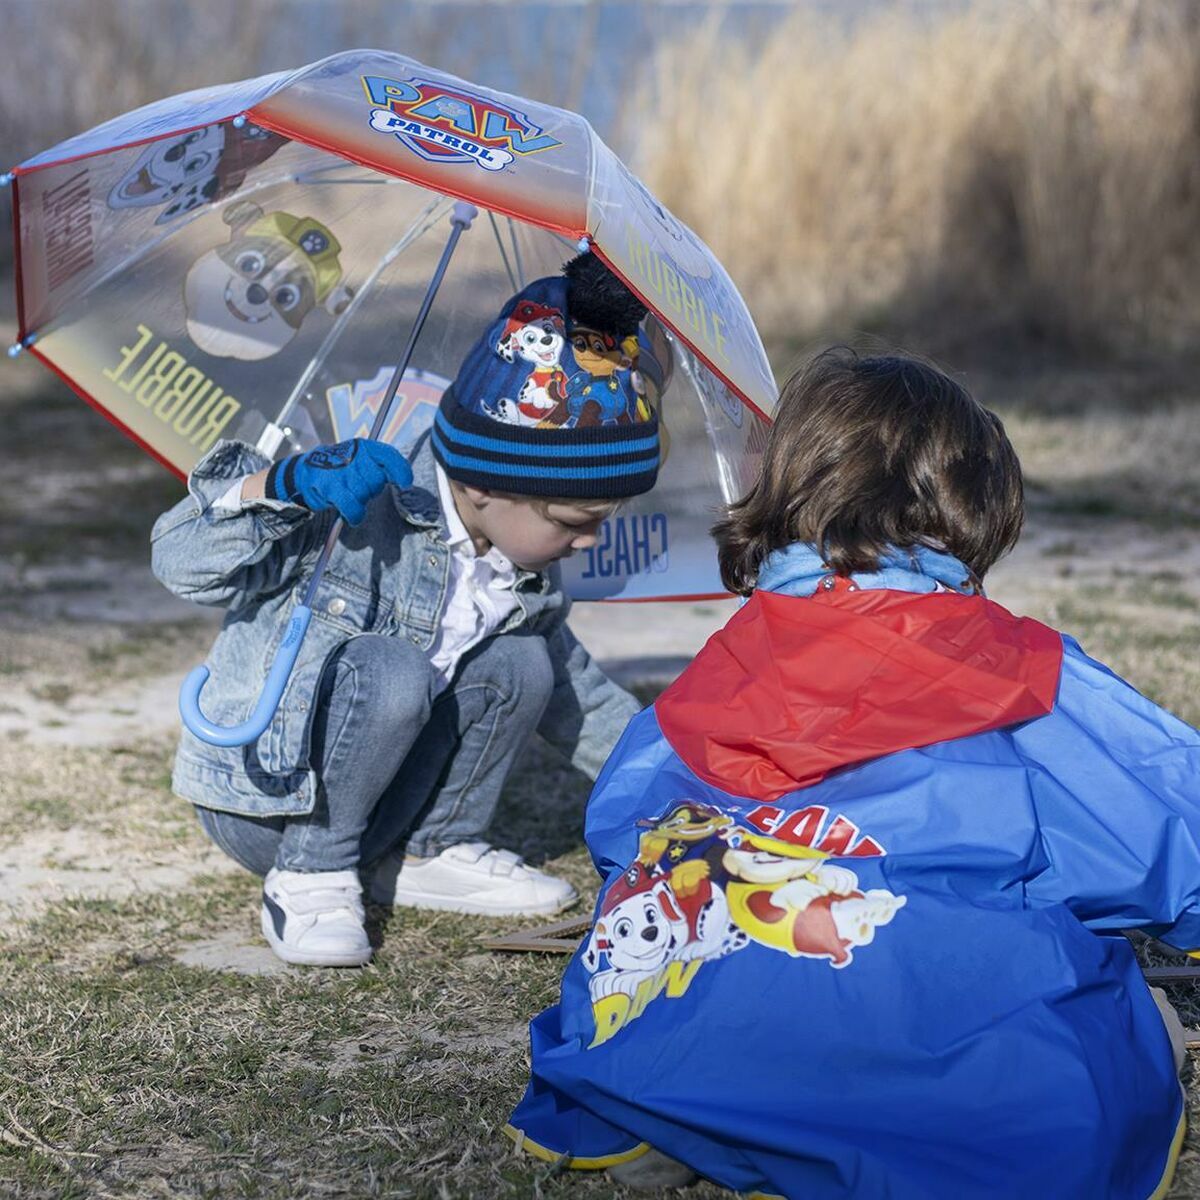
(1115, 782)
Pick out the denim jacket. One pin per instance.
(386, 576)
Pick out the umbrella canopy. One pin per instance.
(242, 261)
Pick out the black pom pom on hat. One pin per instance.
(597, 299)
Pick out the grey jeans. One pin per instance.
(395, 764)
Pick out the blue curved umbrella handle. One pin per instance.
(268, 700)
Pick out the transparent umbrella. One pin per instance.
(249, 261)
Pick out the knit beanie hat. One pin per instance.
(549, 401)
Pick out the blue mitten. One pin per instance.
(345, 477)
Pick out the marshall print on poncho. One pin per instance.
(703, 886)
(865, 866)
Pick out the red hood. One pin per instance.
(795, 687)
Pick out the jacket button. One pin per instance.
(433, 560)
(412, 637)
(336, 606)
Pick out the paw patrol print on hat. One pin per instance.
(533, 333)
(549, 401)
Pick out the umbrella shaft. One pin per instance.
(423, 312)
(461, 219)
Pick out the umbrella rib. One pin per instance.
(512, 279)
(512, 234)
(426, 219)
(365, 175)
(688, 360)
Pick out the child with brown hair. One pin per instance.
(867, 861)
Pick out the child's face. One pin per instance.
(532, 534)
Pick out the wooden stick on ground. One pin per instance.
(560, 938)
(1180, 974)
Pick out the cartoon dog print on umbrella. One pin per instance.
(247, 299)
(200, 167)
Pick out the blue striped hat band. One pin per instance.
(598, 462)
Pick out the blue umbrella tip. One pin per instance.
(584, 244)
(239, 120)
(6, 178)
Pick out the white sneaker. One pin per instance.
(651, 1172)
(470, 878)
(315, 917)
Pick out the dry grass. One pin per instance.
(110, 56)
(1112, 463)
(1032, 165)
(126, 1072)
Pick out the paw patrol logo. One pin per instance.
(448, 126)
(354, 405)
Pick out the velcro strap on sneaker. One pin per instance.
(504, 862)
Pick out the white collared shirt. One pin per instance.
(479, 592)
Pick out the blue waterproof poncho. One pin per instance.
(865, 863)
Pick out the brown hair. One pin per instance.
(867, 453)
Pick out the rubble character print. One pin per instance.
(788, 897)
(248, 299)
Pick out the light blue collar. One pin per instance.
(797, 570)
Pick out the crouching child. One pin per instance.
(439, 641)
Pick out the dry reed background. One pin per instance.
(1032, 166)
(105, 57)
(946, 172)
(1010, 183)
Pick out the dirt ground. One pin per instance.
(150, 1044)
